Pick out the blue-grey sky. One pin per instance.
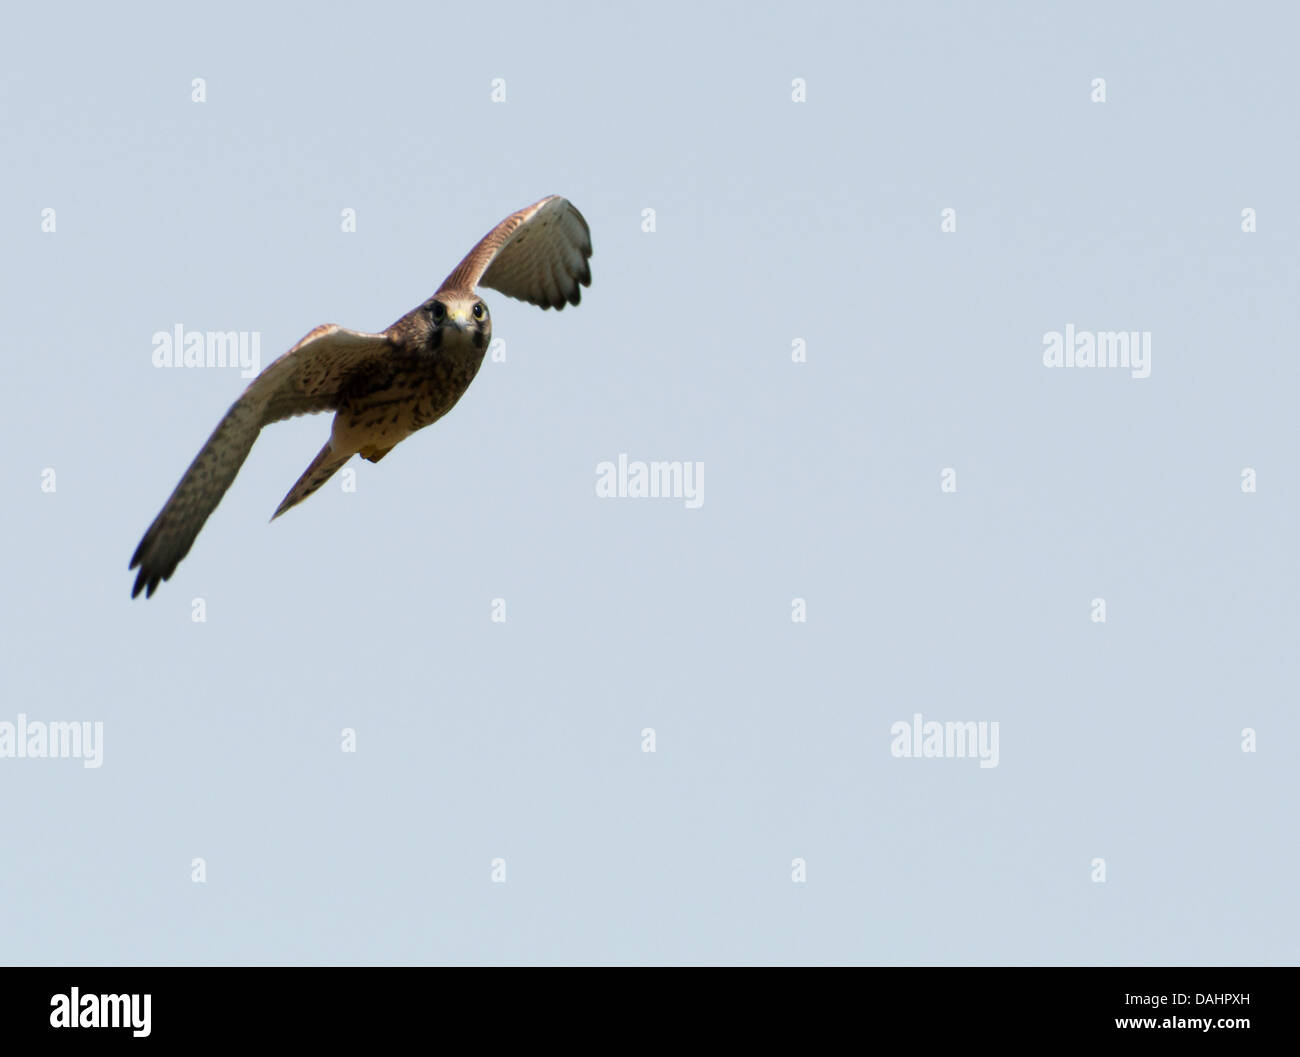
(1120, 743)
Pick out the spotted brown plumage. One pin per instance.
(382, 387)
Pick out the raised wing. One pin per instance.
(309, 377)
(540, 255)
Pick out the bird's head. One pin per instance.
(458, 320)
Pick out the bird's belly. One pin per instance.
(380, 420)
(366, 429)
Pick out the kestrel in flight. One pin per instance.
(382, 387)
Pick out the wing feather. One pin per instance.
(540, 254)
(309, 377)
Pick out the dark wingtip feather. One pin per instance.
(137, 559)
(147, 582)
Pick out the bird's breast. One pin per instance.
(410, 400)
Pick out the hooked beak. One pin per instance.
(459, 319)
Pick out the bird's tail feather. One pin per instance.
(322, 468)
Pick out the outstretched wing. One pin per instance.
(307, 378)
(539, 255)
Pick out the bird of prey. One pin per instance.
(381, 387)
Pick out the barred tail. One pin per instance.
(322, 468)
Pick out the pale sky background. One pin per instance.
(775, 221)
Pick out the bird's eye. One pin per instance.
(438, 311)
(479, 310)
